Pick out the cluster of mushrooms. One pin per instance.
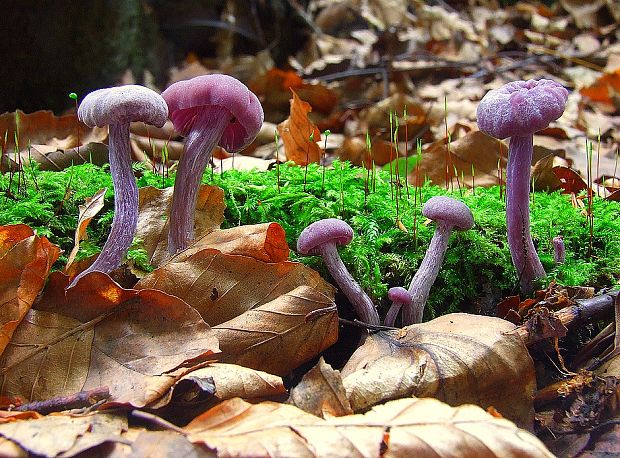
(516, 110)
(213, 110)
(209, 110)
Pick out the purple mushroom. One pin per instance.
(210, 110)
(517, 110)
(400, 297)
(118, 107)
(559, 250)
(321, 238)
(448, 214)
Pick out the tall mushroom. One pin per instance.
(118, 107)
(321, 238)
(208, 110)
(448, 214)
(517, 110)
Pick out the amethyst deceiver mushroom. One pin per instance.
(400, 297)
(517, 110)
(321, 239)
(209, 110)
(117, 107)
(559, 250)
(448, 214)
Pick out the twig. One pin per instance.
(368, 327)
(75, 401)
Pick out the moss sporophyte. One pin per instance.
(477, 264)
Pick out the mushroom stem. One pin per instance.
(421, 283)
(125, 204)
(198, 148)
(524, 256)
(362, 304)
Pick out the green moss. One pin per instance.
(381, 255)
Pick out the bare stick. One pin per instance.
(74, 401)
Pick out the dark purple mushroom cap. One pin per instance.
(521, 108)
(330, 230)
(399, 295)
(123, 104)
(186, 98)
(452, 211)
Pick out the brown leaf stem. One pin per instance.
(75, 401)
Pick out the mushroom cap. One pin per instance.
(186, 98)
(123, 104)
(399, 295)
(330, 230)
(521, 107)
(452, 211)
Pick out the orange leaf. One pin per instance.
(296, 132)
(25, 261)
(604, 89)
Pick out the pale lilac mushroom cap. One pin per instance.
(186, 98)
(321, 238)
(448, 214)
(209, 110)
(518, 110)
(400, 297)
(118, 107)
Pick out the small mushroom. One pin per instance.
(118, 107)
(517, 110)
(448, 214)
(209, 110)
(559, 250)
(400, 297)
(321, 238)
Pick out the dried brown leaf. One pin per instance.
(321, 393)
(222, 286)
(405, 427)
(167, 443)
(53, 158)
(282, 334)
(457, 358)
(25, 261)
(88, 210)
(299, 134)
(99, 334)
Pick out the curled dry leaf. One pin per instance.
(25, 261)
(88, 210)
(99, 334)
(164, 443)
(299, 134)
(404, 427)
(53, 158)
(154, 206)
(321, 392)
(222, 286)
(282, 334)
(69, 435)
(457, 358)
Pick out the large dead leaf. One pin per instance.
(474, 148)
(25, 261)
(223, 286)
(299, 134)
(405, 427)
(99, 334)
(154, 206)
(282, 334)
(53, 158)
(605, 90)
(56, 434)
(457, 358)
(88, 210)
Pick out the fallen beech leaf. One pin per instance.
(166, 443)
(405, 427)
(457, 358)
(296, 133)
(571, 181)
(605, 90)
(543, 174)
(13, 415)
(154, 206)
(473, 148)
(56, 434)
(321, 393)
(52, 158)
(45, 128)
(222, 286)
(88, 210)
(125, 339)
(25, 261)
(282, 334)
